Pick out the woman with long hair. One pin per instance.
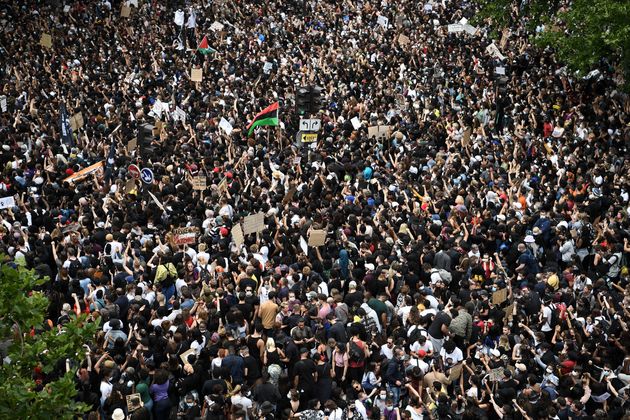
(159, 392)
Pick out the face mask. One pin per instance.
(382, 396)
(248, 293)
(390, 407)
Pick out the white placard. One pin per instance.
(356, 123)
(493, 50)
(217, 26)
(179, 115)
(267, 67)
(455, 28)
(226, 126)
(500, 70)
(7, 202)
(383, 21)
(3, 103)
(469, 29)
(66, 8)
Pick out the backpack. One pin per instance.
(555, 316)
(356, 353)
(445, 275)
(204, 274)
(73, 269)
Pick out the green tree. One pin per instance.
(581, 31)
(21, 308)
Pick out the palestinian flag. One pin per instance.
(268, 116)
(204, 48)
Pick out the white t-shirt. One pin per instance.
(547, 316)
(456, 356)
(106, 390)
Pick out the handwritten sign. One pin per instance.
(403, 40)
(125, 11)
(499, 296)
(199, 183)
(46, 41)
(76, 121)
(455, 28)
(72, 227)
(85, 172)
(7, 202)
(495, 374)
(187, 235)
(131, 145)
(493, 50)
(383, 21)
(196, 75)
(317, 238)
(179, 115)
(237, 235)
(217, 26)
(379, 131)
(254, 223)
(356, 123)
(226, 126)
(134, 402)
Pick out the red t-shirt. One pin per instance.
(354, 364)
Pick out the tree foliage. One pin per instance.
(582, 32)
(50, 394)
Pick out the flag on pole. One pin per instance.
(66, 129)
(268, 116)
(204, 48)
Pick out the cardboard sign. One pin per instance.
(455, 372)
(254, 223)
(85, 172)
(237, 235)
(72, 227)
(494, 51)
(7, 202)
(196, 75)
(379, 131)
(187, 235)
(76, 121)
(466, 137)
(125, 11)
(134, 402)
(184, 355)
(403, 40)
(130, 186)
(223, 186)
(317, 238)
(46, 41)
(508, 313)
(499, 296)
(131, 145)
(496, 374)
(199, 183)
(217, 26)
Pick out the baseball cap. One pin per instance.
(422, 353)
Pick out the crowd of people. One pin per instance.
(475, 258)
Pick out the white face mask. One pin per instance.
(382, 396)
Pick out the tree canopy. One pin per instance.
(34, 381)
(582, 32)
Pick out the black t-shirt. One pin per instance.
(435, 329)
(247, 309)
(304, 370)
(353, 297)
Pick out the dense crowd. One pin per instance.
(474, 264)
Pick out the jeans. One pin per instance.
(162, 409)
(395, 391)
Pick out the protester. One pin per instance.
(474, 260)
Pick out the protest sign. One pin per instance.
(132, 144)
(179, 18)
(469, 29)
(508, 313)
(494, 51)
(217, 26)
(237, 235)
(179, 115)
(199, 183)
(196, 75)
(187, 235)
(46, 41)
(223, 186)
(85, 172)
(403, 40)
(495, 374)
(134, 402)
(7, 202)
(226, 126)
(125, 11)
(379, 131)
(499, 296)
(500, 70)
(455, 372)
(454, 28)
(76, 121)
(254, 223)
(383, 21)
(3, 103)
(130, 186)
(317, 237)
(72, 227)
